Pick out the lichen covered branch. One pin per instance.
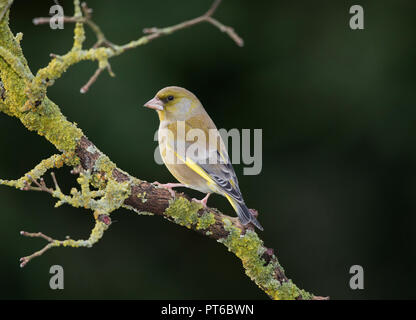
(102, 186)
(103, 49)
(96, 234)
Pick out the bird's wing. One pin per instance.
(224, 176)
(212, 163)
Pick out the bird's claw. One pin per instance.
(202, 201)
(169, 187)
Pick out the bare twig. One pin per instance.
(55, 182)
(87, 19)
(228, 30)
(68, 242)
(87, 11)
(213, 8)
(151, 34)
(25, 260)
(41, 185)
(45, 20)
(206, 17)
(93, 78)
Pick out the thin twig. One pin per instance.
(96, 234)
(93, 78)
(51, 243)
(87, 11)
(228, 30)
(46, 20)
(87, 19)
(36, 235)
(206, 17)
(213, 8)
(25, 260)
(115, 50)
(41, 185)
(55, 182)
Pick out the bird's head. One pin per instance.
(174, 103)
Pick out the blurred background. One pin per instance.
(338, 185)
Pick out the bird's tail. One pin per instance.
(244, 214)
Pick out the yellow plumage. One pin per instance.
(193, 151)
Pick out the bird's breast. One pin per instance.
(175, 162)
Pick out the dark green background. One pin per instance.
(337, 109)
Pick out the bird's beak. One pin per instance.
(154, 103)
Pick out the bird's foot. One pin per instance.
(203, 201)
(169, 186)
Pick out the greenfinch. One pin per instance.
(193, 150)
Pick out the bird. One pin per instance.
(193, 150)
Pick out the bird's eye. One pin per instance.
(170, 98)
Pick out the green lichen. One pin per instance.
(55, 161)
(98, 181)
(104, 164)
(249, 248)
(115, 195)
(205, 221)
(18, 37)
(142, 213)
(96, 234)
(185, 213)
(289, 291)
(46, 119)
(49, 122)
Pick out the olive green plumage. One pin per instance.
(192, 148)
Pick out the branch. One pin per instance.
(207, 17)
(99, 229)
(102, 186)
(112, 50)
(86, 19)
